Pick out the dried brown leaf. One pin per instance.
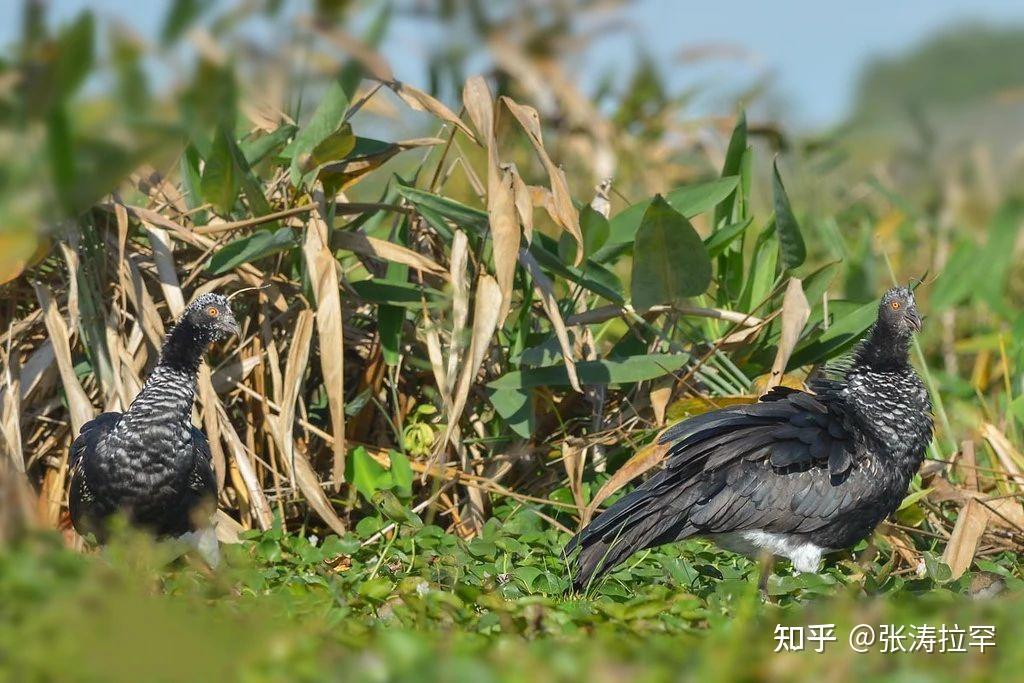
(382, 249)
(546, 292)
(421, 101)
(296, 461)
(963, 543)
(78, 401)
(10, 409)
(479, 103)
(795, 312)
(523, 201)
(505, 234)
(485, 322)
(573, 461)
(458, 265)
(323, 275)
(257, 500)
(1008, 456)
(565, 213)
(661, 393)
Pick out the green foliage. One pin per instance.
(426, 605)
(323, 138)
(670, 262)
(251, 248)
(791, 242)
(398, 597)
(612, 371)
(961, 66)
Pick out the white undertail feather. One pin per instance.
(805, 556)
(204, 542)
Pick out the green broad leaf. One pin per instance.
(732, 270)
(462, 215)
(375, 590)
(596, 230)
(935, 568)
(720, 240)
(791, 242)
(1016, 408)
(689, 200)
(381, 291)
(326, 119)
(258, 148)
(526, 575)
(334, 147)
(191, 179)
(221, 181)
(401, 473)
(250, 184)
(515, 406)
(818, 281)
(595, 233)
(60, 148)
(598, 372)
(913, 498)
(732, 166)
(840, 336)
(182, 14)
(761, 276)
(590, 275)
(959, 277)
(251, 248)
(73, 58)
(670, 261)
(390, 320)
(366, 474)
(999, 256)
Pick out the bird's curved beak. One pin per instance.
(914, 319)
(230, 326)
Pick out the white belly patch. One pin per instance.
(805, 556)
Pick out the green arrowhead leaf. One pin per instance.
(670, 261)
(689, 200)
(791, 242)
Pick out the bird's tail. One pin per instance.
(637, 522)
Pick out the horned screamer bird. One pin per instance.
(150, 462)
(795, 475)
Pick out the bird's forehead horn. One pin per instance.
(914, 283)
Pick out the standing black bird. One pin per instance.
(150, 462)
(795, 475)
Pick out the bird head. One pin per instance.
(898, 312)
(212, 314)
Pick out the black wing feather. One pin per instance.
(768, 465)
(84, 509)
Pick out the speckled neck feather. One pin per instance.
(883, 349)
(167, 396)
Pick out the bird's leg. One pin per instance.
(766, 561)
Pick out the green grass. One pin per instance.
(425, 605)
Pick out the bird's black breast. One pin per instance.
(893, 412)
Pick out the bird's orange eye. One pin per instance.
(212, 312)
(895, 305)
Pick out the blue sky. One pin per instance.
(813, 49)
